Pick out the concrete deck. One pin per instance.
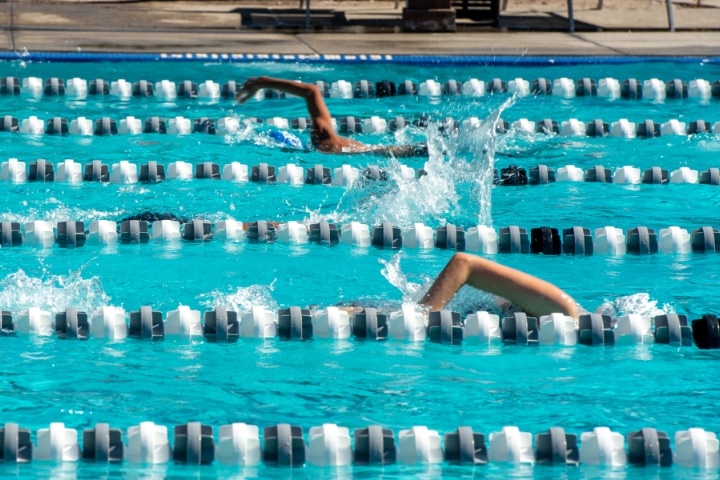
(526, 28)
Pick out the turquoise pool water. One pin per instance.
(353, 383)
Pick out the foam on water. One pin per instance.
(247, 132)
(54, 210)
(638, 303)
(411, 292)
(709, 144)
(54, 293)
(242, 299)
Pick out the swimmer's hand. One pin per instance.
(248, 90)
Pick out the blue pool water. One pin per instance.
(396, 384)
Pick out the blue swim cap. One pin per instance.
(287, 139)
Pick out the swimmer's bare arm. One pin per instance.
(325, 138)
(535, 296)
(312, 95)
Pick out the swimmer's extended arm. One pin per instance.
(536, 297)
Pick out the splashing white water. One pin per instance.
(54, 293)
(246, 133)
(639, 303)
(243, 299)
(53, 210)
(411, 292)
(459, 164)
(481, 142)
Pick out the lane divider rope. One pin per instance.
(652, 89)
(125, 172)
(576, 240)
(285, 445)
(357, 125)
(224, 325)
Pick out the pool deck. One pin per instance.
(525, 28)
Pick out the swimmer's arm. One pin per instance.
(535, 296)
(311, 93)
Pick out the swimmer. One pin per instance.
(525, 292)
(322, 135)
(532, 295)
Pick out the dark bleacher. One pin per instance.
(486, 11)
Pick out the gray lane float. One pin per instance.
(223, 325)
(102, 444)
(359, 125)
(651, 90)
(513, 239)
(285, 446)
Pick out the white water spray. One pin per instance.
(639, 303)
(411, 292)
(54, 293)
(242, 299)
(460, 165)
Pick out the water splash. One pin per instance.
(411, 292)
(639, 303)
(460, 165)
(242, 299)
(54, 293)
(53, 210)
(481, 142)
(247, 133)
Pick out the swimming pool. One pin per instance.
(397, 383)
